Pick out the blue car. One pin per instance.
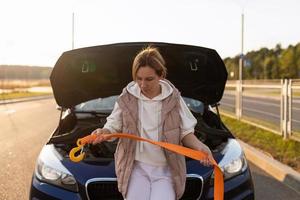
(86, 83)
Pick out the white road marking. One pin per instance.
(228, 97)
(264, 103)
(267, 113)
(8, 111)
(227, 104)
(262, 112)
(294, 120)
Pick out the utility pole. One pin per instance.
(241, 65)
(239, 95)
(73, 18)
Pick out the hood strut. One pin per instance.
(60, 121)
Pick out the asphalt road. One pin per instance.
(266, 109)
(25, 127)
(266, 187)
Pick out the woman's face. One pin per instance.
(148, 80)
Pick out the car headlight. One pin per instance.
(49, 169)
(233, 161)
(235, 167)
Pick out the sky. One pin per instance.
(37, 32)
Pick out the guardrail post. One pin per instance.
(281, 107)
(289, 97)
(238, 100)
(285, 122)
(282, 110)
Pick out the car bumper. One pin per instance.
(237, 188)
(45, 191)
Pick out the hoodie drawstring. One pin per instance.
(141, 126)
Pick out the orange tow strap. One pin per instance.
(191, 153)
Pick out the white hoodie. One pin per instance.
(150, 122)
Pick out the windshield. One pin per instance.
(97, 105)
(106, 105)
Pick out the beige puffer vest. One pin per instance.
(125, 151)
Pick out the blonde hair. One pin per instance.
(151, 57)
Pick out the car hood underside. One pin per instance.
(101, 71)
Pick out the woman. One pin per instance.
(151, 107)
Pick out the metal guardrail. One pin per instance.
(283, 87)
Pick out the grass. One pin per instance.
(267, 125)
(16, 83)
(273, 126)
(17, 95)
(285, 151)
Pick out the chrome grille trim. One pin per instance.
(97, 180)
(115, 180)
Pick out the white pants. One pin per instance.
(149, 182)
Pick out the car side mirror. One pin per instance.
(60, 108)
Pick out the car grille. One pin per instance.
(103, 189)
(108, 189)
(193, 188)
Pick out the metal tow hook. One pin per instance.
(78, 158)
(80, 147)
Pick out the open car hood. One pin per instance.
(83, 74)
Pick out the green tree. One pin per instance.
(232, 66)
(297, 57)
(268, 63)
(288, 63)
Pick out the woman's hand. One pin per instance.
(191, 141)
(102, 135)
(208, 161)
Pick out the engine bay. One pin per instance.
(209, 129)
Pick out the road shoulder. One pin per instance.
(276, 169)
